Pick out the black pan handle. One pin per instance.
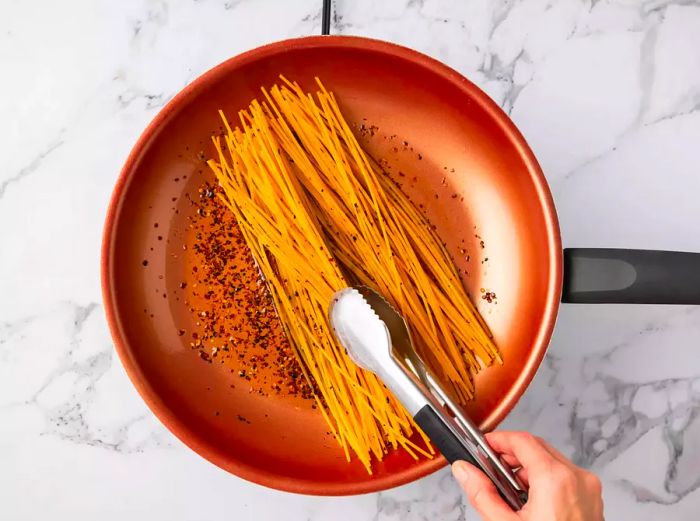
(614, 276)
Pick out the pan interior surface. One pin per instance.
(454, 152)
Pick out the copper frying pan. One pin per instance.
(479, 182)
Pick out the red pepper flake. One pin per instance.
(489, 296)
(231, 304)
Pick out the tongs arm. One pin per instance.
(455, 435)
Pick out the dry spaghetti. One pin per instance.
(319, 214)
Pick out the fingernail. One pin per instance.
(460, 470)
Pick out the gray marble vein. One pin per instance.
(31, 167)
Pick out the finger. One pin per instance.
(513, 463)
(554, 452)
(510, 460)
(522, 446)
(481, 493)
(522, 474)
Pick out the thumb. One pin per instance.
(482, 494)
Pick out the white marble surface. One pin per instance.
(606, 92)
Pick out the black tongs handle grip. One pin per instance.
(442, 437)
(454, 449)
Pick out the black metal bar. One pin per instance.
(326, 17)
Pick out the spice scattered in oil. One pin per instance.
(230, 304)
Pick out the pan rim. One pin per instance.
(208, 450)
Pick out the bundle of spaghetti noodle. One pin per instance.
(319, 214)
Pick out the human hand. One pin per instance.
(558, 489)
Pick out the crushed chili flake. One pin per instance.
(229, 304)
(489, 296)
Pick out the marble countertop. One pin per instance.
(606, 92)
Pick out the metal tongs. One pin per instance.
(377, 338)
